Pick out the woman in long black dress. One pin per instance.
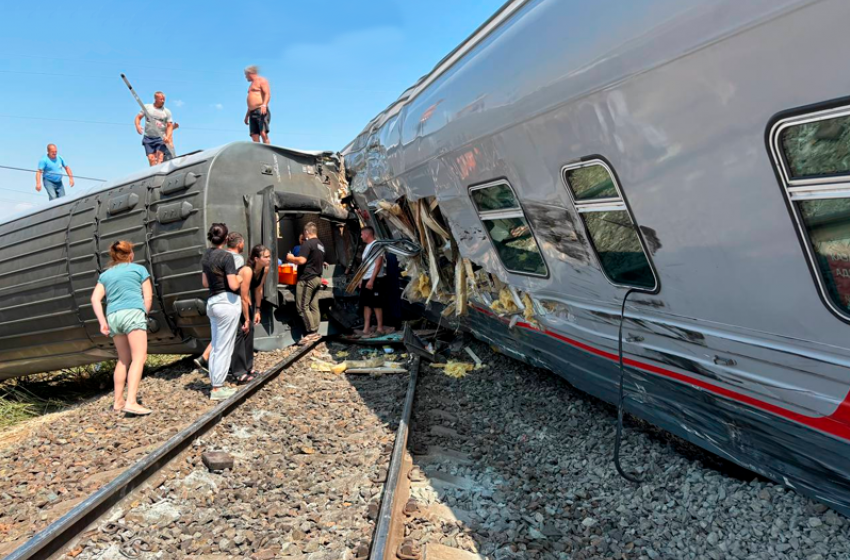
(253, 276)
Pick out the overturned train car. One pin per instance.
(50, 258)
(653, 165)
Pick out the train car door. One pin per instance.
(84, 263)
(123, 214)
(176, 240)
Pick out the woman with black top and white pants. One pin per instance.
(224, 308)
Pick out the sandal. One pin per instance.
(133, 413)
(312, 337)
(246, 378)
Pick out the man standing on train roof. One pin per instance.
(158, 128)
(50, 171)
(258, 115)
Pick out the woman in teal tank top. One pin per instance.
(128, 292)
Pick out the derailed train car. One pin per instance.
(50, 257)
(684, 160)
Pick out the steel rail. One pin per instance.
(381, 540)
(62, 531)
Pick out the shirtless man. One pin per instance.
(258, 115)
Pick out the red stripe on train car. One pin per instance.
(836, 424)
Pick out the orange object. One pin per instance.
(287, 274)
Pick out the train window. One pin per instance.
(508, 229)
(817, 149)
(497, 197)
(609, 224)
(591, 183)
(812, 153)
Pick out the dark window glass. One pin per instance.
(828, 225)
(498, 197)
(591, 182)
(817, 149)
(516, 245)
(619, 248)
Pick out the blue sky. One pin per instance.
(331, 68)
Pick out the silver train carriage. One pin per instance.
(695, 153)
(50, 257)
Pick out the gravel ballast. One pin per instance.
(542, 484)
(48, 469)
(307, 449)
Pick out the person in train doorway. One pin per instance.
(129, 295)
(310, 261)
(259, 116)
(223, 307)
(51, 167)
(253, 275)
(158, 128)
(296, 251)
(372, 286)
(235, 245)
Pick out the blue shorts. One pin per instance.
(153, 145)
(125, 321)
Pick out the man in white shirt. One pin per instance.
(372, 286)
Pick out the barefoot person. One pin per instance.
(258, 115)
(310, 263)
(158, 129)
(371, 286)
(253, 276)
(223, 307)
(128, 291)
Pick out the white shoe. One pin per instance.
(222, 393)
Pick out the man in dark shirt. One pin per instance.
(310, 261)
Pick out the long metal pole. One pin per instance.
(145, 111)
(135, 95)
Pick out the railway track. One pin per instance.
(507, 462)
(402, 507)
(511, 463)
(60, 533)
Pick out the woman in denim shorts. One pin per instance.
(129, 294)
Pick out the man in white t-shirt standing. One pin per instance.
(158, 128)
(372, 285)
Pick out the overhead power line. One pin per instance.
(206, 83)
(129, 124)
(63, 174)
(18, 191)
(122, 64)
